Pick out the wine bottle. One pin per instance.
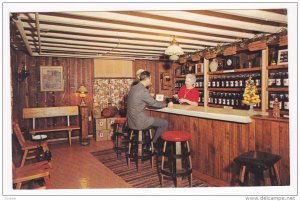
(271, 100)
(236, 81)
(271, 81)
(286, 79)
(286, 102)
(278, 79)
(228, 99)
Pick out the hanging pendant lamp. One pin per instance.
(174, 48)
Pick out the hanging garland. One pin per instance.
(211, 52)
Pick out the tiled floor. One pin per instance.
(75, 168)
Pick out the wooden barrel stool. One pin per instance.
(179, 157)
(119, 132)
(257, 162)
(140, 147)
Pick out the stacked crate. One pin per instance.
(104, 130)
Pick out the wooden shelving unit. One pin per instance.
(235, 71)
(229, 89)
(283, 89)
(183, 76)
(263, 70)
(277, 67)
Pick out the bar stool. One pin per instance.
(257, 162)
(140, 147)
(119, 132)
(182, 157)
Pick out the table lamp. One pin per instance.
(82, 90)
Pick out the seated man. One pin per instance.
(138, 98)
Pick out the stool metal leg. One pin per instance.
(277, 174)
(140, 149)
(129, 148)
(178, 163)
(152, 149)
(190, 164)
(163, 163)
(242, 174)
(117, 140)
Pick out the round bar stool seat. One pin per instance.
(176, 136)
(179, 157)
(119, 132)
(257, 162)
(121, 120)
(140, 147)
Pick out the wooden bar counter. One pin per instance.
(220, 135)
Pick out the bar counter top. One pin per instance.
(224, 114)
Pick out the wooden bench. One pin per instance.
(46, 112)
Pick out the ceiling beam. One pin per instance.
(113, 37)
(38, 31)
(21, 30)
(189, 22)
(201, 39)
(90, 45)
(96, 19)
(277, 11)
(115, 49)
(215, 13)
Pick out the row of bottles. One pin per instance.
(186, 69)
(278, 79)
(201, 98)
(283, 99)
(198, 84)
(234, 81)
(228, 99)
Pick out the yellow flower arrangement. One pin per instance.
(250, 96)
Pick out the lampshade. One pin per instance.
(82, 89)
(174, 57)
(174, 49)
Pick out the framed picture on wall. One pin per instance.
(282, 57)
(51, 78)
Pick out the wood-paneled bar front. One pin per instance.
(215, 143)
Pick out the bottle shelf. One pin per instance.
(199, 89)
(229, 89)
(215, 105)
(277, 89)
(235, 71)
(233, 107)
(277, 67)
(183, 76)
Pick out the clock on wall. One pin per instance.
(231, 62)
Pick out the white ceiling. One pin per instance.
(138, 34)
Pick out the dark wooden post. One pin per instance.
(84, 125)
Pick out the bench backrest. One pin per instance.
(42, 112)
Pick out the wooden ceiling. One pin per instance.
(136, 34)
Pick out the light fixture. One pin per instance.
(82, 90)
(174, 57)
(174, 49)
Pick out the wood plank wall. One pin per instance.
(76, 72)
(27, 93)
(156, 68)
(215, 144)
